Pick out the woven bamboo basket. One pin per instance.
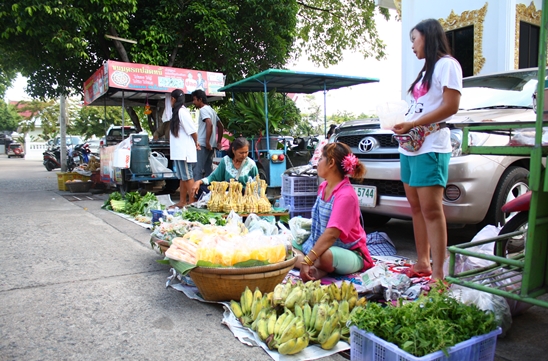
(225, 284)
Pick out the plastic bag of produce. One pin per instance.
(300, 228)
(254, 222)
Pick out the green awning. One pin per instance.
(291, 81)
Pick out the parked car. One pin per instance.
(16, 150)
(94, 145)
(70, 140)
(114, 134)
(478, 185)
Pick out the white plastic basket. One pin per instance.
(366, 346)
(299, 186)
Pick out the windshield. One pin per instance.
(71, 140)
(480, 97)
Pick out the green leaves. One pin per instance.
(431, 323)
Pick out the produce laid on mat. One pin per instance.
(133, 204)
(293, 316)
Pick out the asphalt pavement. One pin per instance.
(80, 283)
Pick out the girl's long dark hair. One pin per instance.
(175, 121)
(436, 46)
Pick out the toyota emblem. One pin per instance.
(367, 144)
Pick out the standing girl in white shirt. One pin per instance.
(436, 95)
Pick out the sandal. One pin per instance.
(410, 272)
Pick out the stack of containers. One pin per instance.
(299, 195)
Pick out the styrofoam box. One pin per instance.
(299, 186)
(365, 346)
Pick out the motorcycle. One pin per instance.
(519, 222)
(75, 157)
(79, 155)
(52, 158)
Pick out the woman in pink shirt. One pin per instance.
(337, 242)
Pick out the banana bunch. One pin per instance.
(330, 333)
(218, 195)
(289, 335)
(251, 304)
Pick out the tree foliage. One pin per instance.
(9, 118)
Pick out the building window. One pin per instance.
(461, 41)
(529, 36)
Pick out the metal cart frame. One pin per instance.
(532, 264)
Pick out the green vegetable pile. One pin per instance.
(204, 217)
(431, 323)
(133, 203)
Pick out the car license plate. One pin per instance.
(367, 195)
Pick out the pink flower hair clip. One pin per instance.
(349, 163)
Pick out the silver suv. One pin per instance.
(478, 185)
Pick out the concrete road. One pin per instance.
(79, 283)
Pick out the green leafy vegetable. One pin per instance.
(431, 323)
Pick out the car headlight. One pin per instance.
(456, 142)
(474, 139)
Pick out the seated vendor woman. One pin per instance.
(236, 165)
(337, 242)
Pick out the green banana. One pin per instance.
(332, 340)
(307, 314)
(287, 347)
(293, 297)
(344, 311)
(298, 311)
(279, 321)
(236, 308)
(289, 332)
(312, 324)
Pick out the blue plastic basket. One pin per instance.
(366, 346)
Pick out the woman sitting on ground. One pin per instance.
(337, 242)
(236, 165)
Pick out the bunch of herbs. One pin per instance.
(431, 323)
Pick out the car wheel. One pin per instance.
(374, 220)
(515, 244)
(513, 183)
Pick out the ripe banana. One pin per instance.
(298, 311)
(333, 308)
(271, 322)
(279, 322)
(236, 309)
(262, 328)
(246, 301)
(256, 307)
(321, 317)
(332, 340)
(293, 346)
(352, 302)
(345, 290)
(329, 326)
(277, 294)
(289, 332)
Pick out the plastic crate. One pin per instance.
(305, 213)
(299, 186)
(62, 179)
(298, 202)
(367, 346)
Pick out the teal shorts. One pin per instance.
(344, 261)
(425, 170)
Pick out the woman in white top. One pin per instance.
(183, 145)
(435, 98)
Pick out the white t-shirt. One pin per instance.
(183, 146)
(447, 73)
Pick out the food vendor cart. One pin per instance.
(272, 162)
(129, 85)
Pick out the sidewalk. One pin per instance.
(78, 282)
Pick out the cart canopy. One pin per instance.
(291, 81)
(138, 84)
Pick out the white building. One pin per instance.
(486, 37)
